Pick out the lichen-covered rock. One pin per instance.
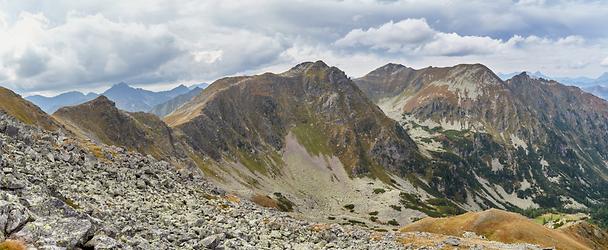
(102, 241)
(12, 216)
(63, 232)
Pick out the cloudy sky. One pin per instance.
(57, 45)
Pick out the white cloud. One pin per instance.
(407, 34)
(604, 62)
(86, 49)
(67, 44)
(414, 37)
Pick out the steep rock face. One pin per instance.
(12, 104)
(101, 121)
(251, 116)
(527, 141)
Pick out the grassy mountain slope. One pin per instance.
(24, 111)
(101, 121)
(501, 226)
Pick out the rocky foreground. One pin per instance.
(57, 193)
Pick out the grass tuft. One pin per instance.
(12, 245)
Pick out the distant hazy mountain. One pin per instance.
(169, 106)
(537, 75)
(200, 85)
(578, 81)
(51, 104)
(137, 99)
(598, 90)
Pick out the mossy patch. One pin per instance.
(284, 204)
(313, 139)
(393, 222)
(434, 207)
(204, 165)
(254, 164)
(379, 191)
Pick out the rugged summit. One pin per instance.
(100, 121)
(528, 142)
(252, 116)
(288, 135)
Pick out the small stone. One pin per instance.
(66, 157)
(212, 241)
(140, 184)
(275, 234)
(10, 182)
(11, 131)
(453, 241)
(102, 241)
(50, 157)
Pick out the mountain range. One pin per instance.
(385, 150)
(597, 86)
(52, 104)
(438, 141)
(126, 98)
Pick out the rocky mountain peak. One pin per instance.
(121, 85)
(307, 65)
(317, 72)
(476, 72)
(101, 101)
(393, 66)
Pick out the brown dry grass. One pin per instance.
(232, 198)
(320, 227)
(264, 201)
(497, 225)
(12, 245)
(24, 111)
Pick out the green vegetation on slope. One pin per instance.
(315, 142)
(435, 207)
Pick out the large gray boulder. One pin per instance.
(12, 216)
(62, 232)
